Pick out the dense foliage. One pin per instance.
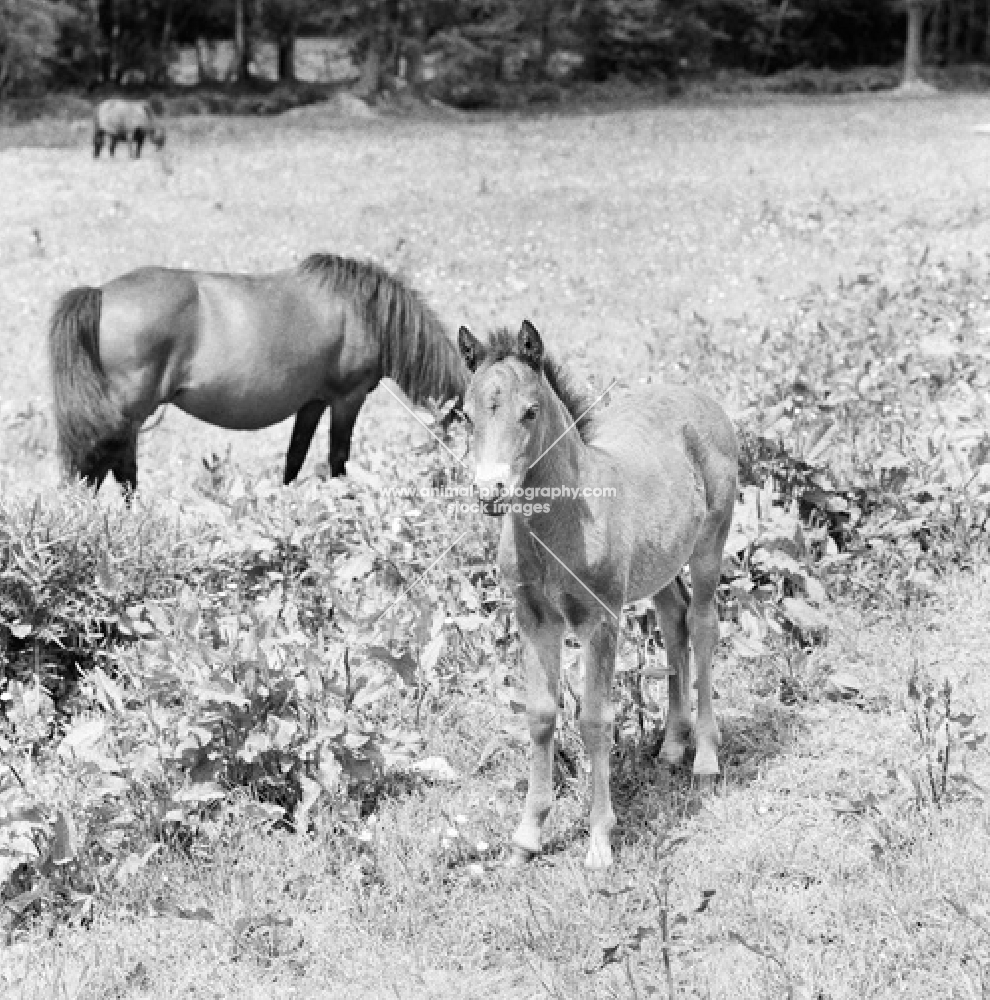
(476, 42)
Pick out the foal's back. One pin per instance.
(655, 428)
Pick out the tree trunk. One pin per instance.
(912, 51)
(372, 69)
(166, 44)
(415, 47)
(546, 35)
(114, 43)
(201, 69)
(952, 34)
(99, 44)
(242, 55)
(933, 40)
(287, 57)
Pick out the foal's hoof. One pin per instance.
(599, 855)
(519, 857)
(672, 753)
(706, 763)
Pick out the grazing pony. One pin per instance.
(239, 351)
(130, 121)
(615, 505)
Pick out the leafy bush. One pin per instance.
(246, 684)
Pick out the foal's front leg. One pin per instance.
(597, 717)
(542, 632)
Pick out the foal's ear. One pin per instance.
(530, 345)
(472, 350)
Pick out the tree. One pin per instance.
(242, 51)
(29, 35)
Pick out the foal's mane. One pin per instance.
(415, 349)
(577, 401)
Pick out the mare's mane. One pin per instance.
(415, 349)
(577, 401)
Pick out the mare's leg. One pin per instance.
(702, 620)
(112, 144)
(672, 608)
(138, 143)
(542, 633)
(97, 142)
(303, 430)
(93, 470)
(597, 717)
(124, 467)
(344, 411)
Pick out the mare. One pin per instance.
(239, 351)
(635, 492)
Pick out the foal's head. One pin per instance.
(503, 404)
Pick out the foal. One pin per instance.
(620, 503)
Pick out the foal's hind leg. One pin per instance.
(672, 605)
(303, 430)
(702, 620)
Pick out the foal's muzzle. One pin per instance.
(494, 498)
(493, 482)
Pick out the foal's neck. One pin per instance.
(564, 452)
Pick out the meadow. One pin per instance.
(226, 774)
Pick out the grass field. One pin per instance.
(637, 241)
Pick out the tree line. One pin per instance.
(86, 43)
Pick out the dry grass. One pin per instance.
(611, 232)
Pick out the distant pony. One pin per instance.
(130, 121)
(239, 351)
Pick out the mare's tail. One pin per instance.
(86, 415)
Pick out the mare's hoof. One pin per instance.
(519, 857)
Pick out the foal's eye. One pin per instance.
(530, 413)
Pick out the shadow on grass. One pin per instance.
(648, 796)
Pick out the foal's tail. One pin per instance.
(85, 412)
